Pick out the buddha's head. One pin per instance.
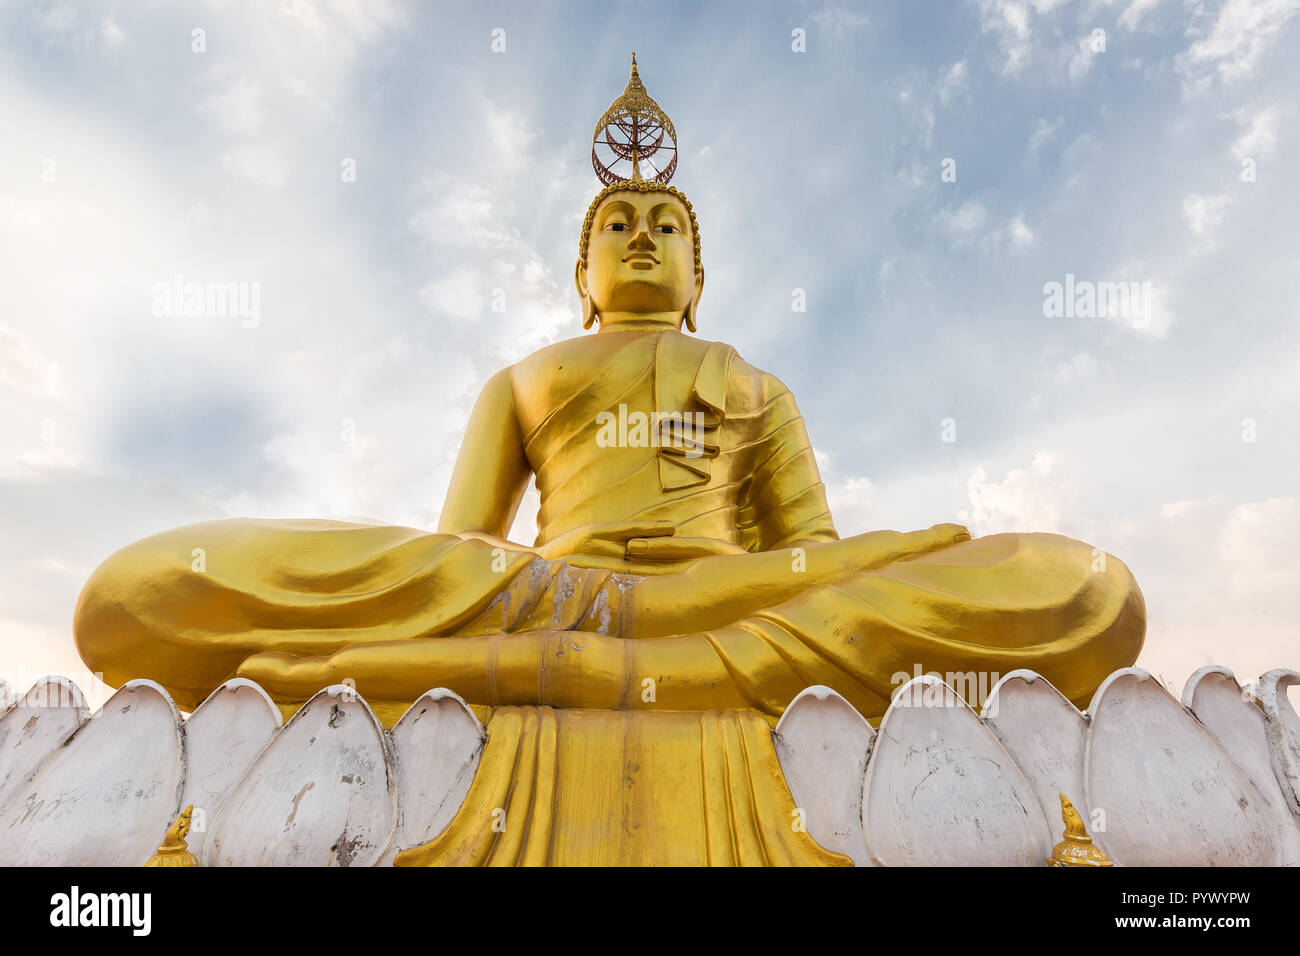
(639, 258)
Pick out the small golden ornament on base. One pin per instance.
(1077, 849)
(173, 850)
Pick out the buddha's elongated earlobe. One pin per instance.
(695, 300)
(588, 307)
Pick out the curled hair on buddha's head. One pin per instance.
(638, 186)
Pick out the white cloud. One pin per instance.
(954, 83)
(459, 212)
(1259, 140)
(1204, 215)
(918, 111)
(1242, 33)
(1149, 312)
(1081, 61)
(462, 221)
(852, 498)
(1043, 132)
(238, 108)
(1075, 370)
(260, 163)
(1037, 498)
(1019, 233)
(339, 28)
(839, 22)
(61, 27)
(111, 34)
(459, 296)
(1015, 236)
(964, 220)
(24, 370)
(1008, 20)
(1258, 546)
(1134, 12)
(510, 136)
(1222, 583)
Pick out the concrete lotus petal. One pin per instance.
(1046, 736)
(224, 736)
(1283, 731)
(941, 790)
(33, 727)
(107, 796)
(823, 745)
(436, 749)
(1239, 725)
(1170, 795)
(320, 794)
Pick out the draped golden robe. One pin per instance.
(752, 481)
(402, 610)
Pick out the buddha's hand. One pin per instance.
(611, 544)
(946, 534)
(607, 539)
(878, 549)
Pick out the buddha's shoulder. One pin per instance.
(748, 385)
(571, 359)
(547, 363)
(579, 351)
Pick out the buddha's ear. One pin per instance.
(695, 300)
(584, 296)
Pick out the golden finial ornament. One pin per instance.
(173, 850)
(634, 131)
(1077, 849)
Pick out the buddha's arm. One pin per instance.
(718, 590)
(785, 501)
(491, 472)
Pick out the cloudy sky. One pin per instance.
(921, 170)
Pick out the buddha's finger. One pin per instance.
(674, 548)
(597, 549)
(951, 533)
(915, 544)
(613, 561)
(622, 531)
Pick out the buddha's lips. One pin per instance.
(641, 257)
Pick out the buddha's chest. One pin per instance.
(615, 391)
(566, 386)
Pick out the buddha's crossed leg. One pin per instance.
(986, 606)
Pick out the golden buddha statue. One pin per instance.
(686, 582)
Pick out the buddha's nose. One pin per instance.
(641, 239)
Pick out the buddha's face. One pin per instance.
(640, 260)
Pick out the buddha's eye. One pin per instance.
(616, 227)
(667, 229)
